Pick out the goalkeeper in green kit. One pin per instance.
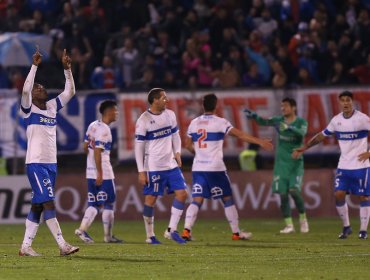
(288, 172)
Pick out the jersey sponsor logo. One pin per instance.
(351, 135)
(48, 120)
(160, 133)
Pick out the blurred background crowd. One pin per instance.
(137, 44)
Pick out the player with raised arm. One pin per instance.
(41, 159)
(99, 174)
(288, 172)
(158, 159)
(351, 128)
(205, 139)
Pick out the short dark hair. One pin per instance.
(209, 102)
(346, 93)
(291, 101)
(154, 93)
(106, 104)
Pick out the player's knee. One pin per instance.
(49, 205)
(181, 195)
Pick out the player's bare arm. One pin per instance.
(266, 144)
(98, 163)
(36, 57)
(66, 60)
(364, 156)
(189, 145)
(319, 137)
(143, 178)
(178, 159)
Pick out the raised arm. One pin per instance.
(264, 143)
(26, 99)
(69, 88)
(261, 121)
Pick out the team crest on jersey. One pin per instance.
(155, 178)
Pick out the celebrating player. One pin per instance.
(41, 159)
(205, 139)
(99, 174)
(158, 159)
(351, 128)
(288, 172)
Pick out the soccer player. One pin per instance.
(41, 159)
(351, 128)
(288, 172)
(205, 139)
(99, 174)
(158, 159)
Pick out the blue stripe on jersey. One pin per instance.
(39, 119)
(25, 110)
(159, 133)
(327, 132)
(59, 104)
(351, 135)
(86, 138)
(174, 129)
(140, 137)
(107, 146)
(211, 136)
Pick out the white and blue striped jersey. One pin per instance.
(352, 134)
(207, 133)
(41, 124)
(161, 137)
(99, 135)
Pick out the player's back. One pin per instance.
(99, 135)
(208, 133)
(157, 131)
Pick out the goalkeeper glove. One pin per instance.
(283, 126)
(250, 114)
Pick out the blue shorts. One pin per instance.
(353, 181)
(104, 194)
(214, 184)
(172, 179)
(42, 179)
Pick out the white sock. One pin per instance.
(343, 214)
(233, 218)
(55, 230)
(89, 216)
(191, 215)
(149, 226)
(30, 233)
(175, 218)
(108, 218)
(364, 217)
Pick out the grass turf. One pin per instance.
(212, 255)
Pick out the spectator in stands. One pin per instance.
(4, 79)
(205, 67)
(106, 76)
(252, 78)
(10, 22)
(127, 59)
(227, 77)
(337, 76)
(362, 72)
(265, 25)
(279, 77)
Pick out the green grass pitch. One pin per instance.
(213, 255)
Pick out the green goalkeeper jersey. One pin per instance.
(289, 139)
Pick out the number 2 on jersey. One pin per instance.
(203, 136)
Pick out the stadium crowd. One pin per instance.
(188, 44)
